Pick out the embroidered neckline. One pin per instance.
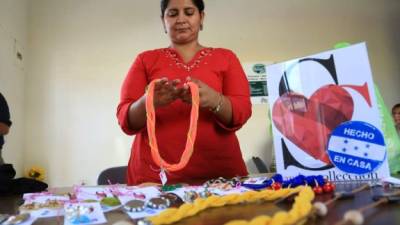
(194, 63)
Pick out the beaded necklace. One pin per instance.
(318, 183)
(151, 129)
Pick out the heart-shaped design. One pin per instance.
(309, 122)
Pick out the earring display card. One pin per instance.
(20, 219)
(83, 213)
(41, 205)
(144, 194)
(92, 193)
(126, 194)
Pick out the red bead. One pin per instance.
(276, 186)
(332, 185)
(318, 190)
(327, 188)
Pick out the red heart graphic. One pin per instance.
(309, 122)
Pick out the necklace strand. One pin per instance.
(151, 129)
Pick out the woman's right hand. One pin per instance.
(166, 91)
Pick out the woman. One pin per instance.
(224, 102)
(396, 117)
(5, 123)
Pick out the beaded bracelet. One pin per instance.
(319, 184)
(217, 108)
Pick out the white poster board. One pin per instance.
(325, 118)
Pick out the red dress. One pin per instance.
(216, 150)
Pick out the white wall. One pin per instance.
(13, 36)
(80, 51)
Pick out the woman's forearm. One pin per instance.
(137, 114)
(223, 110)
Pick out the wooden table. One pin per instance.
(385, 214)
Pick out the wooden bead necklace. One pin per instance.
(355, 216)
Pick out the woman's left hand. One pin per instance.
(209, 98)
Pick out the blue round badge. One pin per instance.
(357, 147)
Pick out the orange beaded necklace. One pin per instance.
(191, 136)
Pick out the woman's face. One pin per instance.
(182, 21)
(396, 116)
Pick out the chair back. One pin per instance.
(113, 175)
(260, 164)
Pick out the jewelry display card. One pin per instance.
(83, 213)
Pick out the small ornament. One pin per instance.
(72, 196)
(53, 204)
(355, 217)
(222, 183)
(205, 194)
(173, 198)
(135, 206)
(158, 203)
(101, 194)
(110, 201)
(276, 186)
(163, 176)
(190, 196)
(318, 190)
(139, 196)
(327, 188)
(320, 208)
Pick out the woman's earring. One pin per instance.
(165, 31)
(201, 26)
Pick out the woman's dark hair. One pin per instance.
(395, 107)
(198, 3)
